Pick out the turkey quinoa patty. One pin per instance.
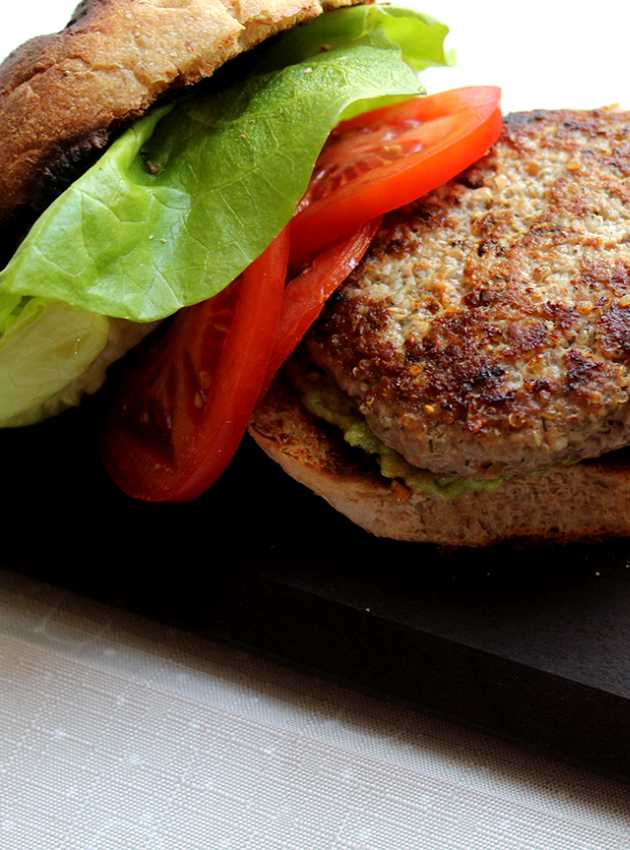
(487, 331)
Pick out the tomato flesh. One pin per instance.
(387, 158)
(306, 295)
(184, 406)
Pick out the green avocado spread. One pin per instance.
(324, 399)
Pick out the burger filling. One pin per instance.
(321, 396)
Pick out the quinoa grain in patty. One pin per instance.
(488, 329)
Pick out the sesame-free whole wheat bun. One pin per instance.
(64, 96)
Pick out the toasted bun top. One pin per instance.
(63, 95)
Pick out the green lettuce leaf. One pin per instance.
(190, 195)
(51, 354)
(44, 348)
(419, 37)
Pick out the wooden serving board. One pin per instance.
(530, 643)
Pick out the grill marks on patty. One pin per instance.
(488, 329)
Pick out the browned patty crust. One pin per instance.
(488, 329)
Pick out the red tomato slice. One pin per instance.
(184, 406)
(387, 158)
(306, 295)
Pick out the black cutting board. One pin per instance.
(528, 642)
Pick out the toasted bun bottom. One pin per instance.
(564, 503)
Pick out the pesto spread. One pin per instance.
(324, 399)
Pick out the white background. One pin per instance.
(118, 734)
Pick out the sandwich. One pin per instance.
(469, 382)
(150, 154)
(158, 162)
(418, 311)
(144, 166)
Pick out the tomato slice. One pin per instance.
(306, 295)
(387, 158)
(184, 406)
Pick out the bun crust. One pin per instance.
(63, 95)
(585, 501)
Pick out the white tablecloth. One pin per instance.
(117, 733)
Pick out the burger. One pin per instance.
(469, 382)
(419, 312)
